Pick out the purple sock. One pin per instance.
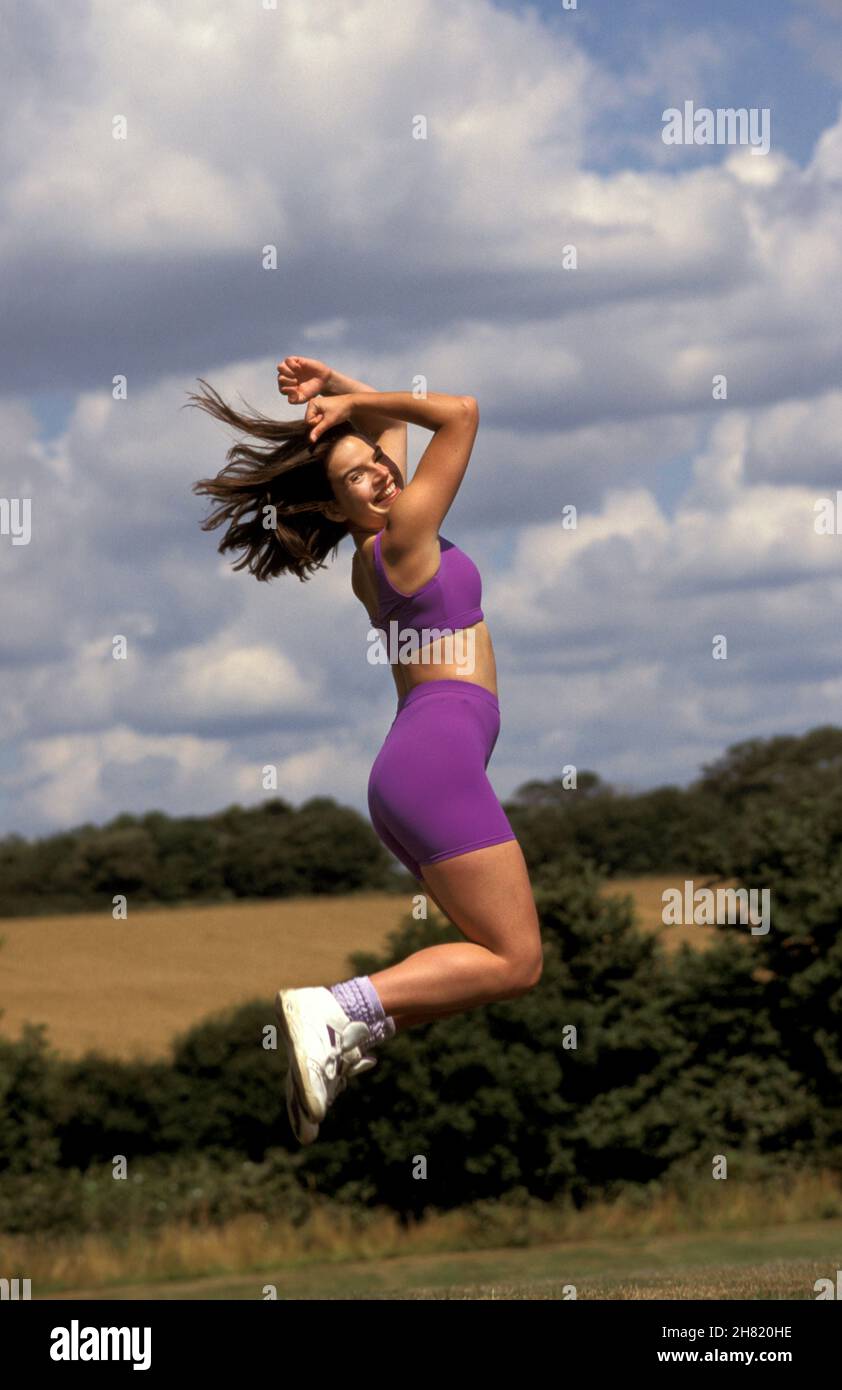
(361, 1003)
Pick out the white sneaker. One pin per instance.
(323, 1045)
(303, 1128)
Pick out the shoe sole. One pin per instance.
(290, 1025)
(305, 1132)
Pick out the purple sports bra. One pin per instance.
(447, 602)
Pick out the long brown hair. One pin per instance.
(287, 473)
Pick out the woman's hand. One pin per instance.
(323, 412)
(302, 378)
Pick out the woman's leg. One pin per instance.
(411, 1018)
(487, 895)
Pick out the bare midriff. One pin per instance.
(475, 663)
(468, 655)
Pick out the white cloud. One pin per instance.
(398, 257)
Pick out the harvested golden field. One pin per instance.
(646, 892)
(128, 988)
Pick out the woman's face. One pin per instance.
(365, 483)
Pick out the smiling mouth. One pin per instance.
(386, 496)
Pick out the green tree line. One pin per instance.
(275, 850)
(271, 851)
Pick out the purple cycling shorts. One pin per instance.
(428, 794)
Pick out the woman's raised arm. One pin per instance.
(424, 503)
(302, 378)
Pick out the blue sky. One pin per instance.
(397, 256)
(770, 52)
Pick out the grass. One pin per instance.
(775, 1238)
(777, 1263)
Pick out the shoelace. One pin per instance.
(340, 1062)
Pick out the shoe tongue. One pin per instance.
(355, 1034)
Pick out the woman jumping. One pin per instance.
(288, 503)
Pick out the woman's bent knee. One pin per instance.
(526, 973)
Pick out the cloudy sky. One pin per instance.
(292, 126)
